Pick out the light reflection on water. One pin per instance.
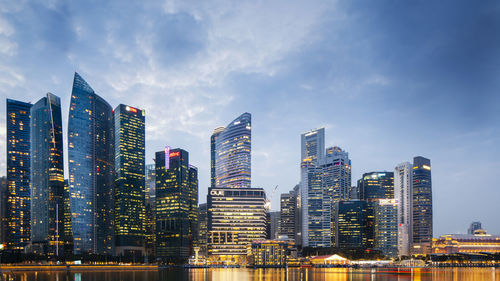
(243, 274)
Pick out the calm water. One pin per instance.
(476, 274)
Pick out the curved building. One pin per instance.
(232, 149)
(91, 169)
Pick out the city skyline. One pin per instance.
(381, 119)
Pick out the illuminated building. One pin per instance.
(202, 228)
(18, 175)
(176, 204)
(313, 146)
(350, 224)
(150, 223)
(236, 218)
(130, 205)
(422, 206)
(47, 178)
(289, 214)
(91, 169)
(374, 186)
(386, 227)
(270, 253)
(478, 243)
(232, 149)
(68, 227)
(3, 209)
(473, 227)
(403, 193)
(213, 154)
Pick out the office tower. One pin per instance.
(47, 178)
(91, 169)
(403, 193)
(422, 206)
(150, 223)
(202, 228)
(233, 150)
(3, 209)
(337, 173)
(68, 227)
(476, 225)
(236, 217)
(386, 227)
(213, 147)
(289, 214)
(313, 146)
(176, 204)
(275, 224)
(18, 175)
(350, 225)
(130, 205)
(374, 186)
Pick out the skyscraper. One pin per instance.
(233, 150)
(47, 178)
(289, 214)
(337, 173)
(313, 146)
(130, 205)
(176, 204)
(213, 154)
(350, 224)
(150, 222)
(18, 175)
(386, 227)
(422, 206)
(202, 228)
(3, 209)
(91, 169)
(403, 193)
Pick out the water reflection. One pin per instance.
(243, 274)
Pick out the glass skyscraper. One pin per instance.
(91, 172)
(350, 224)
(422, 206)
(130, 205)
(150, 223)
(18, 175)
(47, 178)
(232, 149)
(213, 147)
(176, 205)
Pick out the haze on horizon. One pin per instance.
(388, 80)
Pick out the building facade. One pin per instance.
(350, 224)
(386, 227)
(130, 205)
(236, 217)
(47, 177)
(202, 228)
(18, 208)
(213, 155)
(150, 222)
(176, 205)
(233, 154)
(91, 169)
(422, 206)
(479, 243)
(289, 214)
(270, 253)
(403, 193)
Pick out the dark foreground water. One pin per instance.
(332, 274)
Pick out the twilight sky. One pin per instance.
(388, 80)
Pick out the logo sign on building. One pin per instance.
(167, 157)
(217, 192)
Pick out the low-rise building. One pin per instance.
(479, 242)
(270, 253)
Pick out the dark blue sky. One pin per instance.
(388, 80)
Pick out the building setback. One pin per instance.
(18, 208)
(91, 169)
(47, 178)
(130, 205)
(422, 206)
(176, 204)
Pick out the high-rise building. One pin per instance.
(213, 154)
(3, 209)
(130, 205)
(236, 217)
(18, 175)
(422, 206)
(47, 178)
(386, 227)
(403, 193)
(374, 186)
(202, 228)
(313, 146)
(150, 222)
(350, 224)
(176, 204)
(233, 154)
(274, 221)
(68, 227)
(476, 225)
(91, 169)
(289, 214)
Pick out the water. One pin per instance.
(242, 274)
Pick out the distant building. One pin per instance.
(350, 224)
(236, 218)
(422, 206)
(47, 177)
(202, 228)
(289, 214)
(18, 207)
(274, 221)
(403, 192)
(386, 227)
(213, 155)
(233, 154)
(478, 243)
(473, 227)
(176, 204)
(130, 205)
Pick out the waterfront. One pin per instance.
(243, 274)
